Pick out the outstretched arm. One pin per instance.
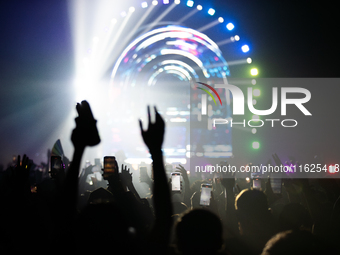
(153, 138)
(85, 134)
(126, 177)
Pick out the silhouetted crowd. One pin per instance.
(93, 210)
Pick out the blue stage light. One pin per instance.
(230, 26)
(190, 3)
(211, 11)
(245, 48)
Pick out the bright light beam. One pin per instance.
(160, 17)
(238, 62)
(117, 36)
(105, 42)
(211, 24)
(78, 31)
(129, 36)
(226, 41)
(188, 15)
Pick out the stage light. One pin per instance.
(249, 60)
(256, 92)
(254, 101)
(237, 38)
(256, 145)
(190, 3)
(254, 71)
(177, 1)
(245, 48)
(154, 2)
(165, 1)
(255, 117)
(230, 26)
(144, 4)
(254, 130)
(132, 9)
(199, 7)
(211, 11)
(332, 169)
(220, 19)
(123, 14)
(113, 21)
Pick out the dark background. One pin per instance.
(287, 39)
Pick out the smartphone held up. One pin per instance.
(176, 182)
(110, 166)
(205, 194)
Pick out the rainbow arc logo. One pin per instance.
(204, 97)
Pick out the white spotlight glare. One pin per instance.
(154, 2)
(230, 26)
(132, 9)
(199, 7)
(220, 19)
(237, 38)
(144, 4)
(249, 60)
(165, 1)
(190, 3)
(245, 48)
(254, 71)
(211, 11)
(123, 14)
(177, 1)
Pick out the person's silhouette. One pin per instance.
(199, 231)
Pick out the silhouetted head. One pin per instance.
(249, 200)
(199, 231)
(252, 211)
(296, 243)
(99, 196)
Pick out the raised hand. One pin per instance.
(182, 170)
(126, 176)
(154, 135)
(85, 133)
